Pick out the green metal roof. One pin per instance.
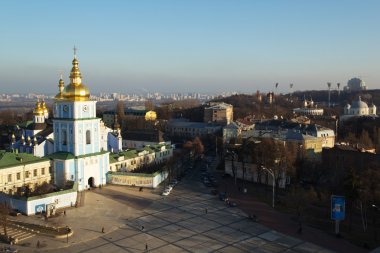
(61, 156)
(9, 159)
(69, 156)
(136, 174)
(25, 124)
(132, 153)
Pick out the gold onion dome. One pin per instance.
(43, 106)
(61, 87)
(75, 91)
(38, 110)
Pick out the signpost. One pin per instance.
(338, 210)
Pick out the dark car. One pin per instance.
(226, 175)
(232, 204)
(214, 191)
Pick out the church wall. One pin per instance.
(35, 205)
(137, 179)
(70, 172)
(59, 173)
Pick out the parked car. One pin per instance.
(232, 204)
(226, 175)
(165, 193)
(8, 249)
(169, 187)
(174, 182)
(214, 191)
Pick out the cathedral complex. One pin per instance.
(73, 146)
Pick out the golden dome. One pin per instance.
(61, 87)
(38, 110)
(150, 116)
(43, 107)
(75, 91)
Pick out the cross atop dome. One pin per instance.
(75, 52)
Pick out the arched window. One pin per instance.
(64, 137)
(88, 137)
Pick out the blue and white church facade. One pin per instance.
(79, 153)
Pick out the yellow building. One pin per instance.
(20, 170)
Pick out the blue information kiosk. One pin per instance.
(338, 210)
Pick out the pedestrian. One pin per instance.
(64, 212)
(206, 210)
(38, 243)
(146, 246)
(103, 230)
(142, 228)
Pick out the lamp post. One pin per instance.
(232, 155)
(270, 171)
(67, 234)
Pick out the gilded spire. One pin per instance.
(75, 75)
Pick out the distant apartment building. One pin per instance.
(344, 155)
(140, 138)
(185, 129)
(219, 113)
(279, 129)
(137, 111)
(241, 128)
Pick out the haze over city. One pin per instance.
(187, 46)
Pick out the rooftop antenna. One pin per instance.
(329, 86)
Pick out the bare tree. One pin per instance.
(4, 212)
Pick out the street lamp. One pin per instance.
(270, 171)
(67, 234)
(233, 165)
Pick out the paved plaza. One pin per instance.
(136, 221)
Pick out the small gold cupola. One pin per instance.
(61, 86)
(43, 106)
(38, 110)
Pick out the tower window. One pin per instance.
(64, 137)
(88, 137)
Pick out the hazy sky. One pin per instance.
(185, 46)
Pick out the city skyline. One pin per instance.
(197, 46)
